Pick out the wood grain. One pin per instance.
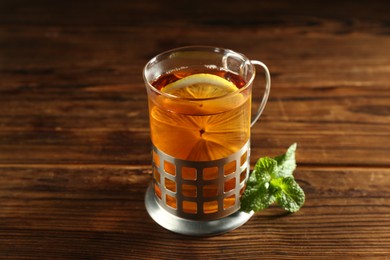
(98, 212)
(74, 129)
(95, 110)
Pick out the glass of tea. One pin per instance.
(200, 118)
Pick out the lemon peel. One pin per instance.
(201, 85)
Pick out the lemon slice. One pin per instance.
(198, 86)
(200, 138)
(201, 130)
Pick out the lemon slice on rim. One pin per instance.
(201, 85)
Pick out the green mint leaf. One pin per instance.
(286, 162)
(289, 195)
(272, 181)
(257, 196)
(265, 168)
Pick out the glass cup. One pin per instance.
(200, 140)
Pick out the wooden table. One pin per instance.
(74, 132)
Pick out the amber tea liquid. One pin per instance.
(199, 130)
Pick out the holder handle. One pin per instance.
(266, 92)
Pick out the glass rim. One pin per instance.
(199, 48)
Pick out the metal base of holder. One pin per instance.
(192, 227)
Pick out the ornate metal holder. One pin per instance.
(170, 204)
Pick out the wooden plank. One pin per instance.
(90, 104)
(98, 212)
(316, 59)
(307, 15)
(93, 128)
(128, 148)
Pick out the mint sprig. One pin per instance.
(272, 181)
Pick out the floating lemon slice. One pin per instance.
(200, 86)
(200, 138)
(201, 130)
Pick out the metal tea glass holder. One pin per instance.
(168, 200)
(198, 222)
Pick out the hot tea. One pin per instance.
(201, 116)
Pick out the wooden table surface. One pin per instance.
(74, 131)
